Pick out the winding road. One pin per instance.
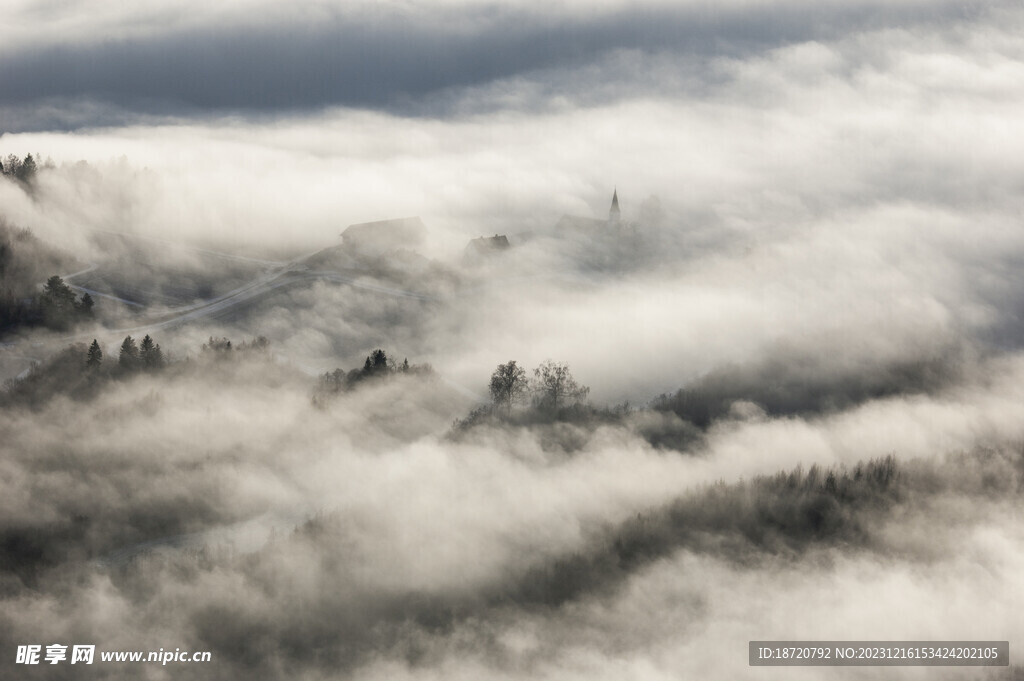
(245, 534)
(283, 273)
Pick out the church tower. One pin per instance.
(613, 213)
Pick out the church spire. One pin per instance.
(613, 212)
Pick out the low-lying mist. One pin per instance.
(215, 505)
(774, 391)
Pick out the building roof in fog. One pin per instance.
(497, 242)
(410, 224)
(384, 235)
(487, 245)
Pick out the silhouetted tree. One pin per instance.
(59, 293)
(85, 305)
(129, 357)
(508, 385)
(26, 172)
(376, 364)
(11, 165)
(554, 386)
(61, 373)
(95, 356)
(259, 344)
(58, 303)
(217, 346)
(150, 355)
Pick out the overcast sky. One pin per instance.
(510, 114)
(73, 63)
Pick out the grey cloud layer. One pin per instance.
(389, 59)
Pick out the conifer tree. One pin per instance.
(85, 305)
(95, 356)
(129, 357)
(27, 171)
(150, 355)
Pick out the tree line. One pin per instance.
(57, 307)
(377, 366)
(81, 370)
(552, 387)
(551, 394)
(23, 170)
(146, 355)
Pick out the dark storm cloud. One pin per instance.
(389, 60)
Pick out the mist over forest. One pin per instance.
(326, 349)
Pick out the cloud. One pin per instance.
(836, 262)
(844, 202)
(381, 58)
(425, 557)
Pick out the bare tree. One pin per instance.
(554, 386)
(508, 385)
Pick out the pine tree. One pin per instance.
(58, 303)
(27, 171)
(129, 357)
(85, 305)
(59, 294)
(150, 355)
(95, 357)
(217, 346)
(11, 165)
